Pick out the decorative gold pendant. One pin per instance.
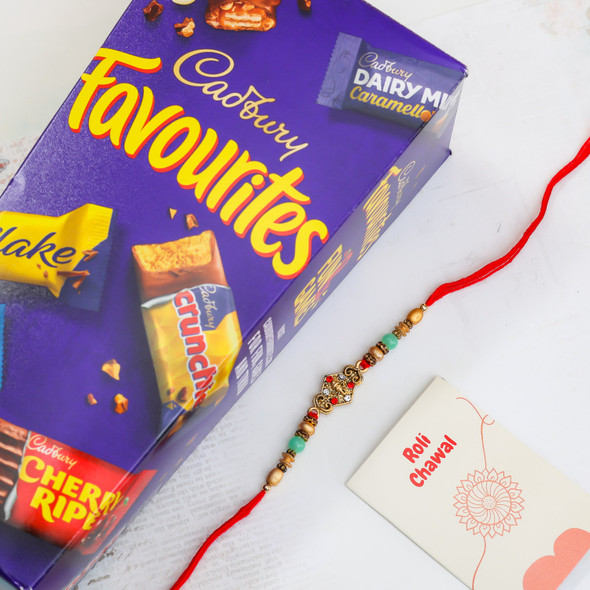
(338, 389)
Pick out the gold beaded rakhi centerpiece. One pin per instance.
(338, 389)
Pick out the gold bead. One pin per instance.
(288, 459)
(302, 434)
(376, 352)
(382, 347)
(403, 328)
(266, 487)
(415, 316)
(274, 477)
(308, 428)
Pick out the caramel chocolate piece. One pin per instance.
(89, 255)
(12, 443)
(153, 10)
(121, 403)
(91, 400)
(172, 212)
(186, 28)
(242, 15)
(112, 368)
(70, 274)
(304, 5)
(170, 267)
(191, 221)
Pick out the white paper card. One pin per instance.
(474, 497)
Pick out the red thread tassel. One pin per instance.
(494, 266)
(242, 513)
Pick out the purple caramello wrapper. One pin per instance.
(386, 84)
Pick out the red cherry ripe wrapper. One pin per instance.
(60, 494)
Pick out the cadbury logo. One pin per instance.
(195, 344)
(46, 250)
(41, 445)
(220, 64)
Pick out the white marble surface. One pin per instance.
(517, 345)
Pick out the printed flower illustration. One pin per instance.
(488, 502)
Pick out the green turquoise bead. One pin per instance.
(390, 341)
(297, 444)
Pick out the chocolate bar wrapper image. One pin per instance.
(382, 83)
(68, 254)
(60, 494)
(190, 320)
(242, 15)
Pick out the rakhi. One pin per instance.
(338, 389)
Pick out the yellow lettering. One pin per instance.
(90, 520)
(116, 125)
(202, 181)
(184, 126)
(99, 78)
(281, 186)
(74, 511)
(71, 486)
(354, 93)
(303, 247)
(236, 202)
(109, 501)
(90, 493)
(305, 301)
(43, 499)
(282, 220)
(39, 466)
(329, 268)
(241, 168)
(57, 479)
(59, 506)
(144, 126)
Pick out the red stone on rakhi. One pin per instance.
(334, 401)
(329, 379)
(350, 385)
(313, 414)
(365, 364)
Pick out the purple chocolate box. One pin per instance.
(225, 126)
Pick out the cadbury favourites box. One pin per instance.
(214, 174)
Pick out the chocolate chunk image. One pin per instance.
(242, 15)
(13, 440)
(170, 267)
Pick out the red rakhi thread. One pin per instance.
(494, 266)
(239, 515)
(338, 388)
